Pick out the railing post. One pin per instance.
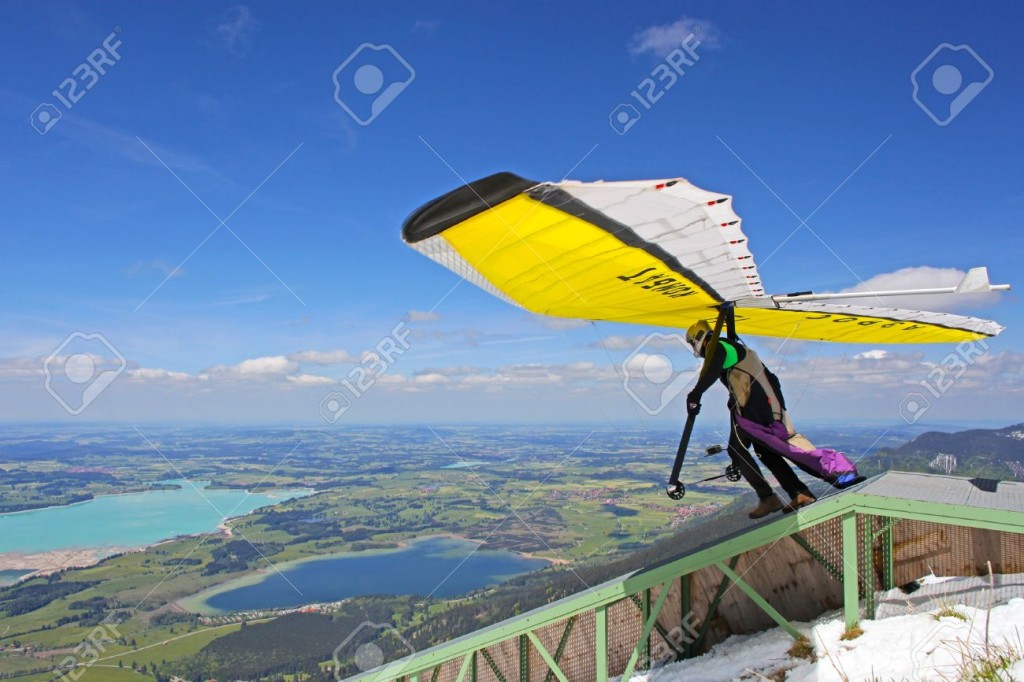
(524, 658)
(867, 564)
(646, 661)
(888, 574)
(601, 643)
(685, 609)
(851, 595)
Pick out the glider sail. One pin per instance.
(660, 252)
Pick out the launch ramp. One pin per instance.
(837, 553)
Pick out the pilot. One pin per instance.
(754, 393)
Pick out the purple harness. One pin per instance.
(824, 463)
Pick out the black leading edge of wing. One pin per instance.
(462, 204)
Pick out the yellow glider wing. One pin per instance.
(858, 324)
(659, 252)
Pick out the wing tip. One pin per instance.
(462, 203)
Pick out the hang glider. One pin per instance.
(657, 252)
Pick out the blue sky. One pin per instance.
(212, 107)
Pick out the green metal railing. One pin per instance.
(854, 510)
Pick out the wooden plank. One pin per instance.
(986, 545)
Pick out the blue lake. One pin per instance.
(437, 565)
(132, 520)
(11, 577)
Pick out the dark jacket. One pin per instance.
(753, 389)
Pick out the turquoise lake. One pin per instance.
(131, 520)
(437, 565)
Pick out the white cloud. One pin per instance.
(272, 364)
(156, 374)
(109, 140)
(423, 316)
(658, 370)
(674, 341)
(767, 345)
(857, 381)
(323, 357)
(999, 373)
(141, 267)
(518, 339)
(254, 368)
(865, 383)
(877, 373)
(310, 380)
(242, 299)
(923, 277)
(525, 376)
(663, 38)
(559, 323)
(21, 367)
(643, 364)
(236, 28)
(431, 378)
(425, 25)
(472, 337)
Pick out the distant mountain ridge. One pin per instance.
(1005, 444)
(987, 453)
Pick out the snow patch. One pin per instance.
(915, 646)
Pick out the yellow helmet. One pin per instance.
(698, 333)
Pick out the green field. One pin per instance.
(373, 490)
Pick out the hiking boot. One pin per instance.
(801, 500)
(766, 506)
